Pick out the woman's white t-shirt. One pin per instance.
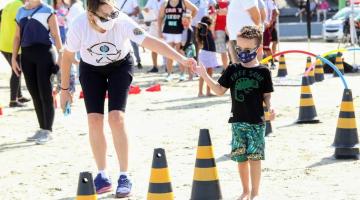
(100, 49)
(75, 10)
(238, 16)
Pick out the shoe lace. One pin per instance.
(124, 182)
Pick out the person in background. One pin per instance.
(7, 34)
(271, 16)
(152, 8)
(274, 32)
(203, 10)
(247, 13)
(170, 18)
(207, 55)
(187, 44)
(220, 31)
(36, 21)
(131, 8)
(322, 8)
(76, 8)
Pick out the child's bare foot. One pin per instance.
(255, 197)
(244, 196)
(200, 95)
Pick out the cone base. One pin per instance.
(268, 129)
(347, 153)
(308, 121)
(319, 78)
(282, 73)
(212, 189)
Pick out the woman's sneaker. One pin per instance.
(102, 185)
(124, 187)
(45, 137)
(35, 136)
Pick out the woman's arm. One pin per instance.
(65, 68)
(16, 46)
(164, 49)
(55, 33)
(191, 7)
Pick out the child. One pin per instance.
(207, 55)
(250, 85)
(187, 44)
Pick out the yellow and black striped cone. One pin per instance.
(346, 138)
(282, 71)
(86, 188)
(307, 111)
(206, 184)
(339, 64)
(160, 183)
(319, 71)
(311, 73)
(268, 126)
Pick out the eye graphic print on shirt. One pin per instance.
(105, 52)
(244, 86)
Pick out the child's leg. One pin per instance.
(208, 91)
(255, 173)
(244, 177)
(201, 83)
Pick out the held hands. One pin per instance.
(190, 63)
(15, 67)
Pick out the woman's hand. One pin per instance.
(65, 97)
(15, 66)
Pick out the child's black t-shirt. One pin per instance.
(247, 86)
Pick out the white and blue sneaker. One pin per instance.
(124, 187)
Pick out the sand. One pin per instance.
(299, 162)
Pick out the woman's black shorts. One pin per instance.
(114, 78)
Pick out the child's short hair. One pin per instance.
(251, 32)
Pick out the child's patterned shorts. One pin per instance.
(248, 142)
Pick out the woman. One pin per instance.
(170, 18)
(34, 22)
(7, 33)
(106, 66)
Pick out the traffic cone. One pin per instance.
(319, 71)
(206, 184)
(134, 89)
(54, 99)
(81, 96)
(86, 188)
(160, 183)
(311, 73)
(282, 71)
(154, 88)
(307, 111)
(339, 64)
(268, 126)
(346, 137)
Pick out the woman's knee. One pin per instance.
(95, 119)
(116, 117)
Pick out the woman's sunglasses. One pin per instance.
(112, 15)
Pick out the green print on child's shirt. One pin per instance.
(244, 85)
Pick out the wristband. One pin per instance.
(64, 88)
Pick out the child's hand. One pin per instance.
(201, 70)
(272, 114)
